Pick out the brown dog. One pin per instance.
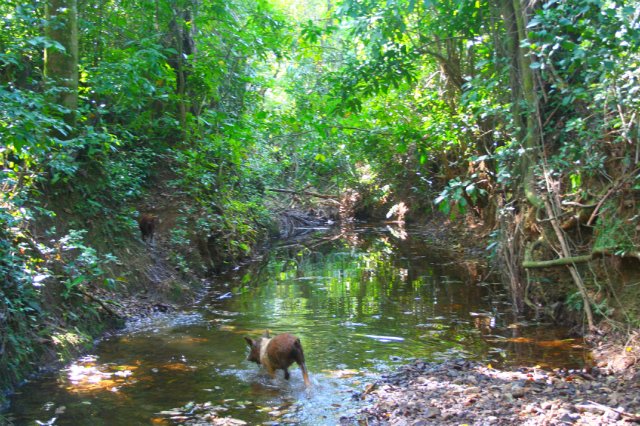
(278, 353)
(147, 224)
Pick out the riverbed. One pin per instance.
(363, 301)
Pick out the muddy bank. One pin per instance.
(467, 392)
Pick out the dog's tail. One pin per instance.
(299, 358)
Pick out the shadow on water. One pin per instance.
(361, 303)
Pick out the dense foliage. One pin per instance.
(165, 99)
(525, 116)
(521, 115)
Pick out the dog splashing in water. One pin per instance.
(278, 353)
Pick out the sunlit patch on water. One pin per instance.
(353, 324)
(383, 339)
(341, 374)
(557, 343)
(178, 366)
(86, 375)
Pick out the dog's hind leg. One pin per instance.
(298, 356)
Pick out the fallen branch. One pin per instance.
(302, 219)
(309, 193)
(563, 261)
(315, 245)
(611, 190)
(596, 211)
(552, 206)
(102, 303)
(631, 417)
(577, 204)
(612, 252)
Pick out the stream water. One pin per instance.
(361, 303)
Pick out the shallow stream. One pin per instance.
(361, 302)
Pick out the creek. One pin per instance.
(362, 302)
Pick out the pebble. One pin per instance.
(431, 412)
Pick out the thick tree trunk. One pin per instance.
(61, 66)
(524, 110)
(523, 94)
(531, 129)
(182, 31)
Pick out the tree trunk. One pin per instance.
(178, 31)
(524, 109)
(61, 66)
(531, 130)
(523, 90)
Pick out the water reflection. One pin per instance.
(360, 302)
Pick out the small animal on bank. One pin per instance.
(147, 224)
(278, 353)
